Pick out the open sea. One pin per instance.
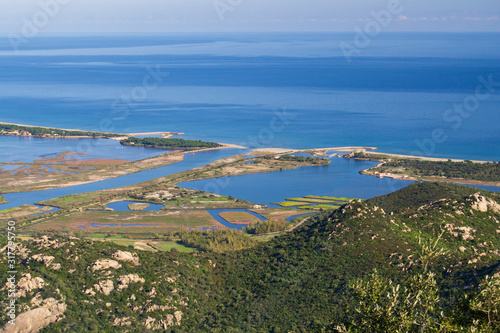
(412, 93)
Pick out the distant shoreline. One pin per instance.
(33, 126)
(400, 175)
(116, 136)
(320, 151)
(314, 151)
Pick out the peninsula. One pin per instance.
(431, 169)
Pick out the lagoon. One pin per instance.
(339, 179)
(190, 161)
(28, 149)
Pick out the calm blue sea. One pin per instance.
(279, 90)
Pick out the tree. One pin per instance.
(384, 306)
(488, 300)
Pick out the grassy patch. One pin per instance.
(314, 202)
(21, 212)
(123, 242)
(264, 238)
(311, 200)
(329, 198)
(288, 203)
(168, 246)
(318, 207)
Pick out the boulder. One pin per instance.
(127, 256)
(33, 320)
(105, 264)
(105, 287)
(125, 280)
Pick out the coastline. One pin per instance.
(424, 158)
(323, 152)
(374, 155)
(122, 136)
(165, 134)
(34, 126)
(401, 176)
(276, 150)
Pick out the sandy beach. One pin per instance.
(424, 158)
(166, 134)
(369, 150)
(163, 134)
(23, 125)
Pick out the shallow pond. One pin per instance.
(215, 214)
(122, 206)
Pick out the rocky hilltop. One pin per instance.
(355, 269)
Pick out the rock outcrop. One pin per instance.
(163, 324)
(45, 242)
(483, 204)
(122, 322)
(105, 287)
(33, 320)
(125, 280)
(27, 284)
(105, 264)
(47, 260)
(127, 256)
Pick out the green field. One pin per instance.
(168, 246)
(311, 200)
(318, 207)
(314, 202)
(289, 203)
(164, 246)
(330, 198)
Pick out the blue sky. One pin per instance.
(65, 16)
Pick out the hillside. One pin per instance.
(439, 241)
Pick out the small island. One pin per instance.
(169, 143)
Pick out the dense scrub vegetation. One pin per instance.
(422, 259)
(168, 143)
(216, 240)
(302, 281)
(489, 171)
(7, 129)
(265, 227)
(303, 159)
(464, 170)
